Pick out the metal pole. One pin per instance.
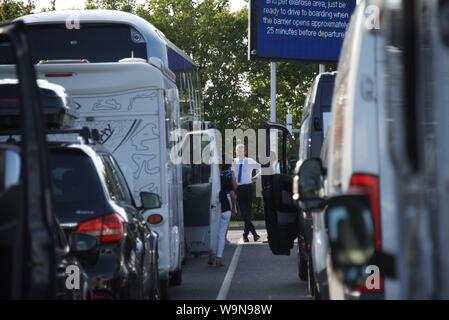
(322, 68)
(273, 92)
(273, 118)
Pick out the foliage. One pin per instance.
(10, 9)
(236, 91)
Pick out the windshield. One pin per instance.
(94, 42)
(76, 186)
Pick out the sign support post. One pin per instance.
(322, 68)
(273, 117)
(273, 91)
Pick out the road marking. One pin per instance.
(230, 273)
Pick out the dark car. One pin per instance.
(91, 196)
(314, 127)
(37, 261)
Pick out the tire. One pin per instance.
(176, 278)
(126, 293)
(156, 288)
(164, 289)
(317, 293)
(311, 281)
(302, 267)
(186, 253)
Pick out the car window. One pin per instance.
(116, 191)
(75, 180)
(194, 172)
(327, 118)
(94, 42)
(327, 90)
(304, 139)
(122, 181)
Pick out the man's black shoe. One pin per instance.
(245, 239)
(256, 238)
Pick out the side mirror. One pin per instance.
(10, 166)
(81, 242)
(150, 200)
(308, 186)
(351, 236)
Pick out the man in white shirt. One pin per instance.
(243, 168)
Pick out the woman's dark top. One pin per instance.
(226, 187)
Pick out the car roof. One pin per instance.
(91, 149)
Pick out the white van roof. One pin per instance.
(92, 78)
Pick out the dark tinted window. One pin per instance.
(94, 42)
(75, 180)
(196, 173)
(123, 185)
(117, 191)
(327, 91)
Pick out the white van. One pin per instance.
(135, 107)
(359, 149)
(411, 66)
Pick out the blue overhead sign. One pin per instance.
(304, 30)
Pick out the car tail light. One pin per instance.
(364, 289)
(369, 185)
(100, 295)
(107, 229)
(155, 219)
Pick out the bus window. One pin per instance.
(94, 42)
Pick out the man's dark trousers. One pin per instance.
(245, 203)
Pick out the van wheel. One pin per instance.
(164, 289)
(176, 278)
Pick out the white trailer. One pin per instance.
(135, 107)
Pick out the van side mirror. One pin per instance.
(351, 236)
(10, 166)
(308, 186)
(150, 200)
(81, 242)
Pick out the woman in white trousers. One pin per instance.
(228, 207)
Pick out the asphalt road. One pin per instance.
(251, 272)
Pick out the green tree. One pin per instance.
(122, 5)
(10, 9)
(236, 91)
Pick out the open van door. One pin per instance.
(281, 215)
(27, 255)
(201, 187)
